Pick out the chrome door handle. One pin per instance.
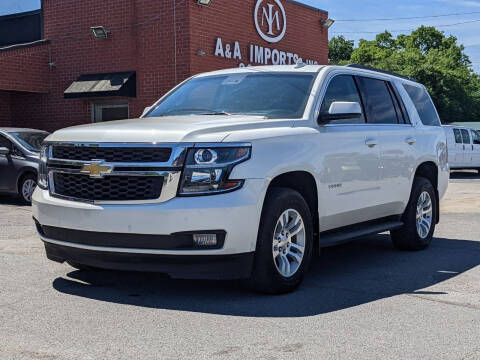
(371, 143)
(410, 141)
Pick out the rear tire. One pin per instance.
(419, 218)
(284, 243)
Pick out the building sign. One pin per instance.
(271, 24)
(275, 19)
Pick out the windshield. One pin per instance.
(273, 95)
(30, 140)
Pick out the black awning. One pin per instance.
(103, 85)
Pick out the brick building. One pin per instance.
(71, 77)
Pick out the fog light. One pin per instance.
(205, 239)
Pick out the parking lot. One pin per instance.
(363, 300)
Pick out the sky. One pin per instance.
(468, 34)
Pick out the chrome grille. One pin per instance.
(112, 154)
(107, 173)
(109, 188)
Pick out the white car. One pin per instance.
(463, 148)
(242, 173)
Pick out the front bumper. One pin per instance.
(219, 267)
(236, 214)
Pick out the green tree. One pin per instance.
(340, 49)
(432, 59)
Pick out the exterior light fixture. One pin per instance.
(204, 2)
(100, 32)
(327, 23)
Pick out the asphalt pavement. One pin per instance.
(363, 300)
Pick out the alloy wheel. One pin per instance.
(289, 243)
(424, 214)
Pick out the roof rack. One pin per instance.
(364, 67)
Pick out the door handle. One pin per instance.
(371, 143)
(410, 141)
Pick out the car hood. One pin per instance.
(171, 129)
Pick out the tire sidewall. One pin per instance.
(22, 182)
(277, 201)
(421, 185)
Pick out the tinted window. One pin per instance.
(476, 137)
(341, 88)
(466, 136)
(458, 136)
(4, 142)
(402, 113)
(378, 101)
(273, 95)
(423, 104)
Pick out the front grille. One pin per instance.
(112, 154)
(109, 188)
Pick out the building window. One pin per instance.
(110, 111)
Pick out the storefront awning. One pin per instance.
(103, 85)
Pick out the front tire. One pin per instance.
(27, 187)
(284, 243)
(419, 218)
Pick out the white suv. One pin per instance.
(242, 173)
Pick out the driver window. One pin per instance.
(342, 88)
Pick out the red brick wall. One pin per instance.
(142, 39)
(234, 21)
(25, 69)
(5, 113)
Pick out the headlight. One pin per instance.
(42, 181)
(207, 170)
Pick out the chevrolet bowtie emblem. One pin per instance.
(96, 169)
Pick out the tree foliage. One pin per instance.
(431, 58)
(340, 49)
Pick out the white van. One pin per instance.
(463, 148)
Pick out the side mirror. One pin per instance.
(4, 151)
(341, 110)
(146, 110)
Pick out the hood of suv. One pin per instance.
(171, 129)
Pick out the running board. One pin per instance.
(343, 235)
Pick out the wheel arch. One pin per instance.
(429, 170)
(304, 183)
(22, 173)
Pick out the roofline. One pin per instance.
(25, 45)
(21, 14)
(307, 6)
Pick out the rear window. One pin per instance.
(424, 105)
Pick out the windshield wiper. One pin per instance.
(217, 113)
(197, 112)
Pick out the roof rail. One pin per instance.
(364, 67)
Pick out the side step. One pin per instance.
(343, 235)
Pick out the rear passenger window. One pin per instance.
(466, 136)
(342, 88)
(424, 105)
(458, 136)
(378, 101)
